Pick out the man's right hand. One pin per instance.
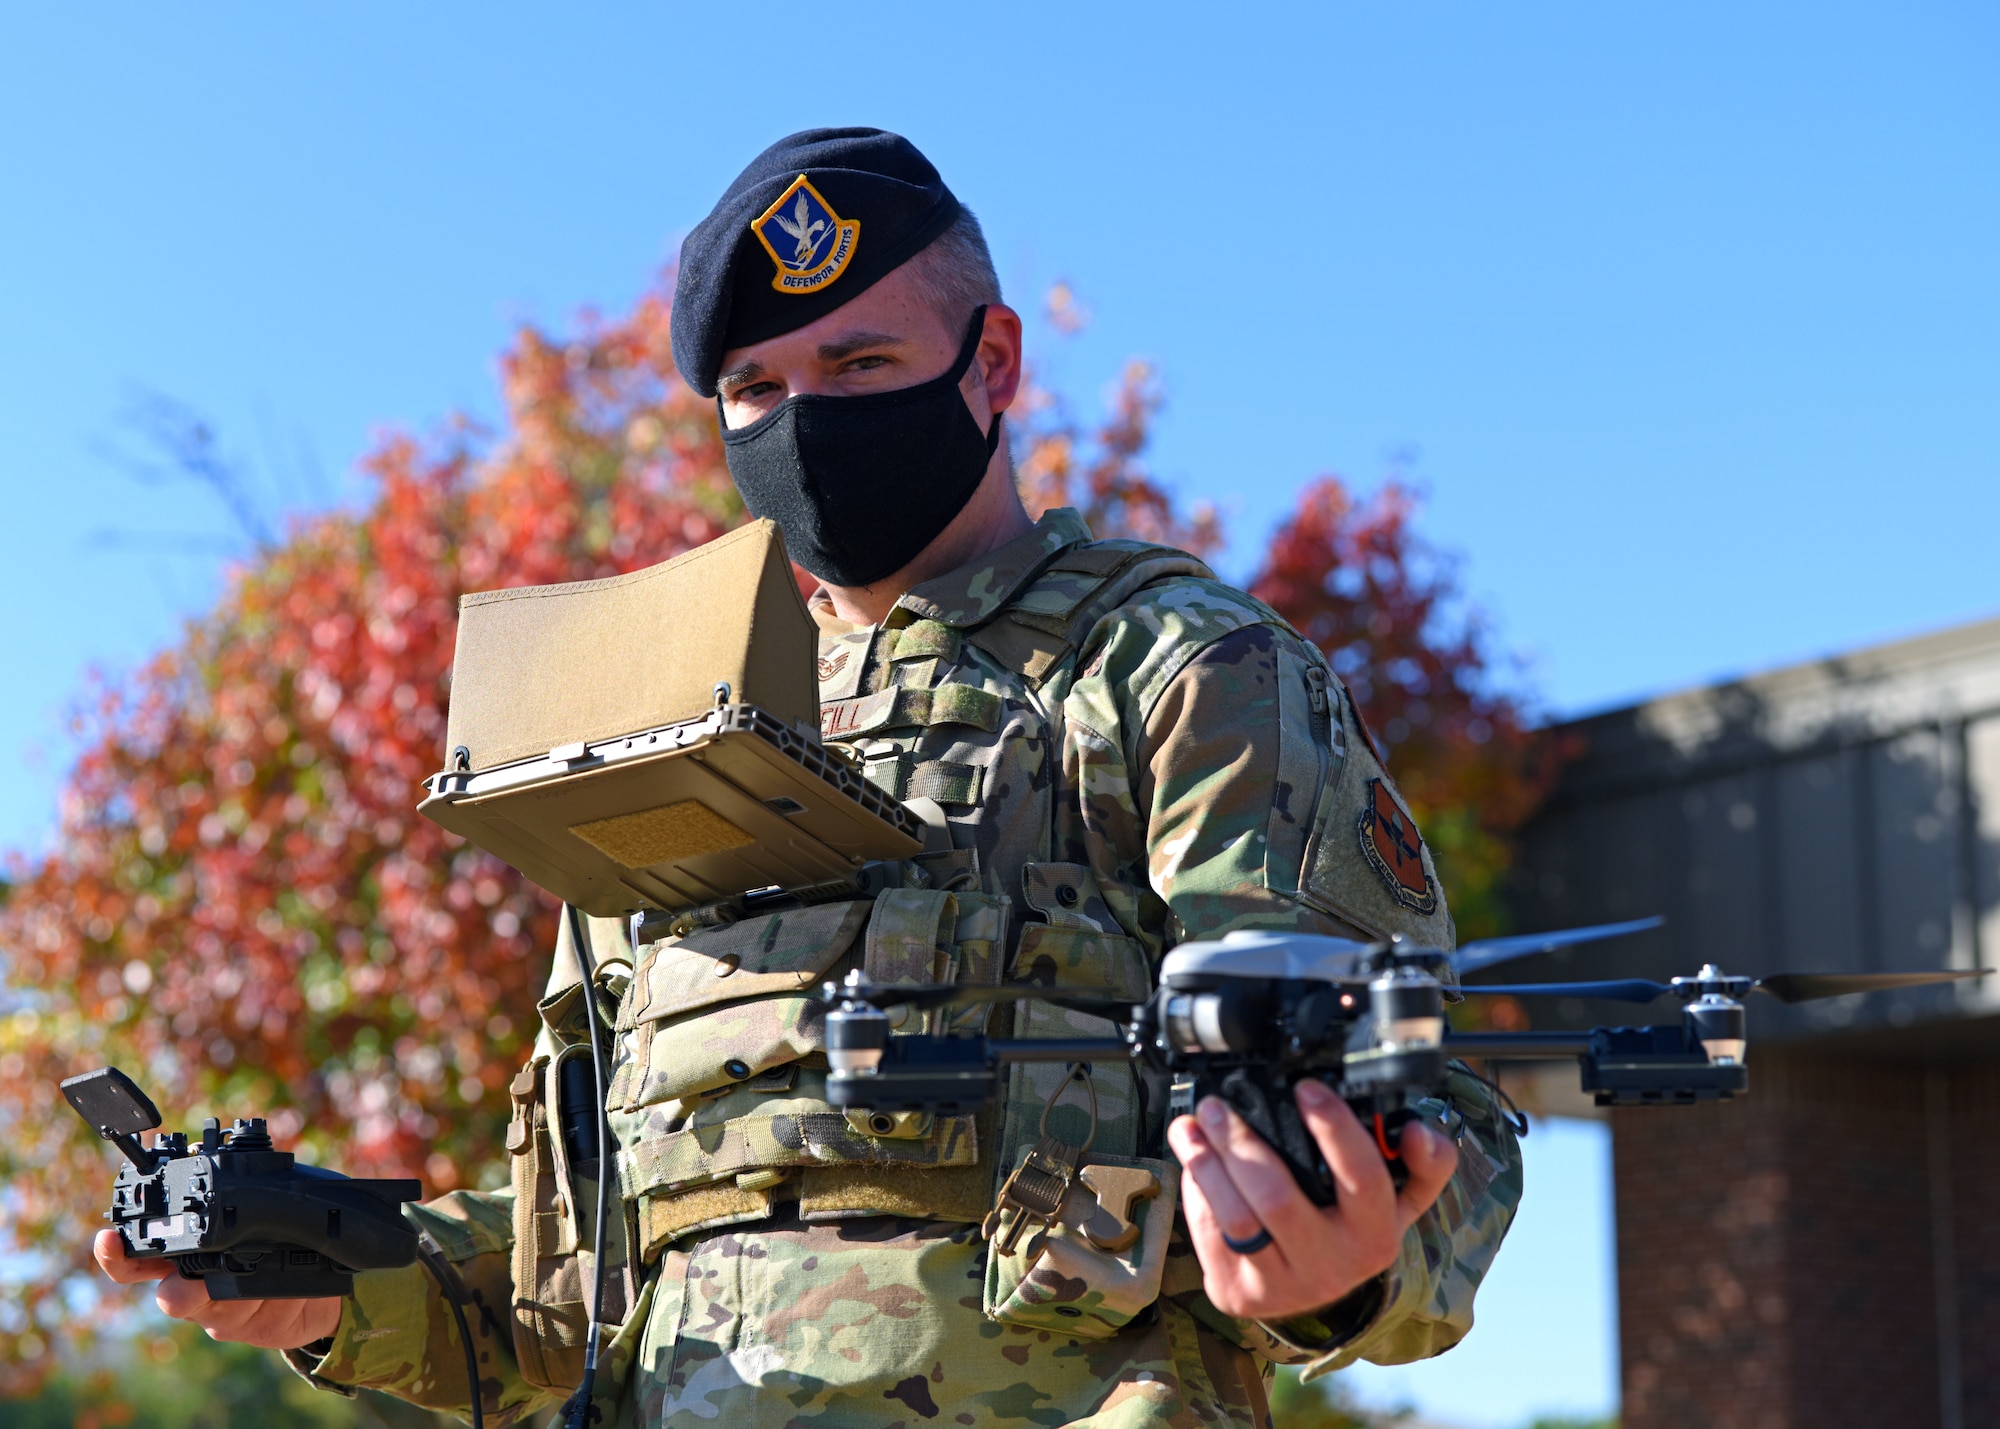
(268, 1324)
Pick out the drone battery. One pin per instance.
(652, 740)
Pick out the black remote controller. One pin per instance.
(233, 1211)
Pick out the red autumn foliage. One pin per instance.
(242, 908)
(1102, 473)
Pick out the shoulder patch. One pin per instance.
(1395, 850)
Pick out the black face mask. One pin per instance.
(860, 485)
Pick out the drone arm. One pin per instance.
(1518, 1044)
(884, 996)
(1630, 989)
(1056, 1049)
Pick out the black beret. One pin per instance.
(814, 220)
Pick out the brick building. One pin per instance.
(1825, 1251)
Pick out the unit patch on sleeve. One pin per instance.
(1395, 850)
(808, 241)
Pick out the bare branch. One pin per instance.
(183, 446)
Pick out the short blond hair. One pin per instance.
(954, 271)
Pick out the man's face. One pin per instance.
(888, 337)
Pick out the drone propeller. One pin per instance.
(1786, 987)
(1806, 987)
(1490, 952)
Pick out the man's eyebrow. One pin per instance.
(741, 373)
(847, 344)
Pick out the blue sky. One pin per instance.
(1685, 316)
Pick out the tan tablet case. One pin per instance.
(652, 739)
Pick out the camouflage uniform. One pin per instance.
(1125, 754)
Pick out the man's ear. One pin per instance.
(999, 357)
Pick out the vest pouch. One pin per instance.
(726, 1005)
(726, 1111)
(1082, 960)
(554, 1230)
(1076, 1288)
(1074, 960)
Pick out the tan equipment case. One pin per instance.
(651, 740)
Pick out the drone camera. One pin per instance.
(1231, 1017)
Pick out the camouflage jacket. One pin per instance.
(1116, 753)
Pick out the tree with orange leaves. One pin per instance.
(242, 909)
(241, 906)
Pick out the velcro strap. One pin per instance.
(944, 780)
(701, 1154)
(924, 639)
(667, 1218)
(954, 1193)
(903, 776)
(910, 709)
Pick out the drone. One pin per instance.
(1247, 1016)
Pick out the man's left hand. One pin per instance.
(1233, 1183)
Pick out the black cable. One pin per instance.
(432, 1255)
(1519, 1119)
(578, 1412)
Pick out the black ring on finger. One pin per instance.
(1249, 1245)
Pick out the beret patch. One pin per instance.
(761, 264)
(810, 243)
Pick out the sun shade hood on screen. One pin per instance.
(540, 667)
(591, 748)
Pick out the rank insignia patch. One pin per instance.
(1395, 850)
(810, 243)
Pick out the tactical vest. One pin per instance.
(718, 1103)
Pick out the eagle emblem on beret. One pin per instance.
(810, 243)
